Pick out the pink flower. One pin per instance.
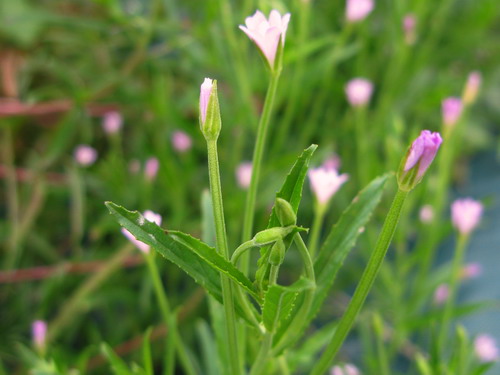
(333, 162)
(325, 182)
(486, 348)
(357, 10)
(151, 168)
(426, 214)
(466, 214)
(471, 271)
(205, 91)
(244, 174)
(39, 333)
(441, 294)
(267, 33)
(149, 216)
(451, 109)
(347, 369)
(85, 155)
(181, 141)
(422, 152)
(359, 92)
(471, 89)
(112, 122)
(409, 27)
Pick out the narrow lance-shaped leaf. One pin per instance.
(279, 302)
(290, 191)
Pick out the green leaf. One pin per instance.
(208, 347)
(210, 255)
(118, 366)
(342, 238)
(279, 302)
(290, 191)
(146, 353)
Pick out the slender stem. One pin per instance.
(241, 250)
(223, 249)
(300, 319)
(174, 340)
(361, 147)
(364, 286)
(77, 187)
(283, 365)
(453, 287)
(319, 215)
(257, 162)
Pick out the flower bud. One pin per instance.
(210, 121)
(284, 211)
(471, 89)
(151, 168)
(426, 214)
(325, 182)
(418, 158)
(486, 348)
(277, 254)
(244, 175)
(268, 236)
(409, 28)
(39, 334)
(358, 10)
(359, 92)
(181, 141)
(112, 122)
(441, 294)
(85, 155)
(451, 109)
(466, 214)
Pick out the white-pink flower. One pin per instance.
(441, 294)
(205, 91)
(85, 155)
(149, 216)
(471, 89)
(359, 92)
(347, 369)
(451, 109)
(112, 122)
(151, 168)
(358, 10)
(244, 174)
(466, 214)
(181, 141)
(267, 33)
(39, 333)
(325, 182)
(486, 348)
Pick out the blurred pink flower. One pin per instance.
(85, 155)
(112, 122)
(441, 294)
(151, 168)
(347, 369)
(358, 10)
(134, 166)
(451, 109)
(149, 216)
(244, 174)
(359, 92)
(267, 33)
(333, 162)
(409, 28)
(325, 182)
(486, 348)
(181, 141)
(466, 214)
(471, 89)
(471, 270)
(205, 91)
(39, 333)
(426, 214)
(422, 151)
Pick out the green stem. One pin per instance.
(174, 340)
(456, 269)
(257, 162)
(283, 365)
(300, 319)
(319, 215)
(364, 286)
(223, 249)
(362, 159)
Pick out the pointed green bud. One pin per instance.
(210, 120)
(268, 236)
(285, 212)
(277, 254)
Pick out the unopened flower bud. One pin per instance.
(181, 141)
(426, 214)
(85, 155)
(486, 348)
(277, 254)
(409, 28)
(466, 214)
(268, 236)
(441, 294)
(39, 334)
(418, 159)
(358, 10)
(151, 168)
(112, 122)
(471, 88)
(359, 91)
(284, 211)
(210, 121)
(244, 175)
(451, 110)
(347, 369)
